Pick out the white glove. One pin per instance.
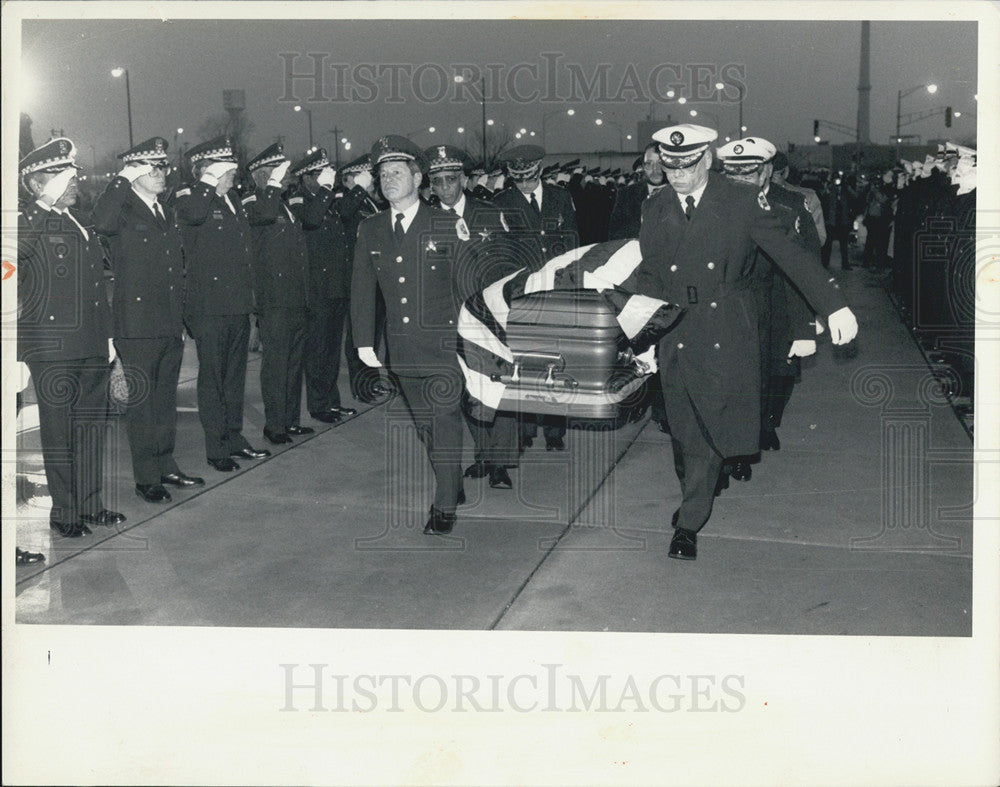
(278, 174)
(132, 172)
(364, 179)
(112, 353)
(57, 186)
(327, 177)
(603, 181)
(481, 180)
(214, 172)
(501, 179)
(562, 177)
(843, 326)
(819, 326)
(368, 357)
(802, 347)
(588, 178)
(23, 376)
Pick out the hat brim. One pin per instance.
(672, 161)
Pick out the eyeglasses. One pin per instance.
(444, 180)
(159, 166)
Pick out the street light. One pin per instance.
(117, 72)
(309, 116)
(694, 113)
(177, 135)
(900, 95)
(621, 131)
(547, 115)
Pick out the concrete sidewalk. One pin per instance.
(860, 524)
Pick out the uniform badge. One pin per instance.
(560, 223)
(677, 138)
(485, 234)
(462, 229)
(431, 246)
(738, 149)
(762, 201)
(798, 226)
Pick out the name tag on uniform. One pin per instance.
(141, 227)
(692, 294)
(375, 256)
(217, 215)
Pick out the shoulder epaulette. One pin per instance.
(249, 198)
(184, 192)
(296, 201)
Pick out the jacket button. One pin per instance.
(52, 316)
(169, 270)
(680, 345)
(406, 319)
(714, 305)
(138, 298)
(711, 266)
(215, 278)
(402, 300)
(673, 269)
(542, 232)
(433, 267)
(399, 259)
(402, 279)
(716, 345)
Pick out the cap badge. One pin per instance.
(63, 148)
(441, 152)
(677, 138)
(738, 149)
(762, 201)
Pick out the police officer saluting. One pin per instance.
(64, 336)
(218, 299)
(698, 241)
(409, 250)
(280, 265)
(148, 303)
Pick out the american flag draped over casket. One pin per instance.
(483, 353)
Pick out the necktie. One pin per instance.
(398, 230)
(689, 210)
(158, 211)
(534, 205)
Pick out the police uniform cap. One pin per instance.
(683, 145)
(522, 161)
(446, 158)
(396, 148)
(744, 156)
(637, 164)
(358, 165)
(780, 161)
(270, 156)
(153, 149)
(54, 156)
(315, 161)
(218, 149)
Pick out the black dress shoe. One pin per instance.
(25, 558)
(477, 469)
(251, 453)
(769, 440)
(299, 430)
(152, 493)
(684, 545)
(327, 416)
(722, 482)
(740, 470)
(439, 523)
(343, 412)
(500, 478)
(275, 438)
(554, 444)
(181, 479)
(226, 465)
(70, 529)
(104, 518)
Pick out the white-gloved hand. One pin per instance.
(819, 326)
(501, 179)
(278, 174)
(112, 353)
(364, 179)
(132, 172)
(327, 177)
(214, 172)
(843, 326)
(588, 178)
(802, 348)
(482, 180)
(57, 186)
(23, 376)
(368, 357)
(562, 177)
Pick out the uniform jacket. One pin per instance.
(418, 284)
(63, 309)
(148, 264)
(489, 255)
(280, 261)
(706, 265)
(326, 243)
(626, 216)
(539, 238)
(216, 252)
(353, 206)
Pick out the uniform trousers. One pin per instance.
(283, 333)
(695, 458)
(435, 405)
(324, 337)
(223, 342)
(72, 418)
(496, 442)
(152, 368)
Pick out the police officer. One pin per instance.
(541, 220)
(485, 259)
(410, 251)
(627, 212)
(64, 337)
(147, 306)
(698, 240)
(218, 299)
